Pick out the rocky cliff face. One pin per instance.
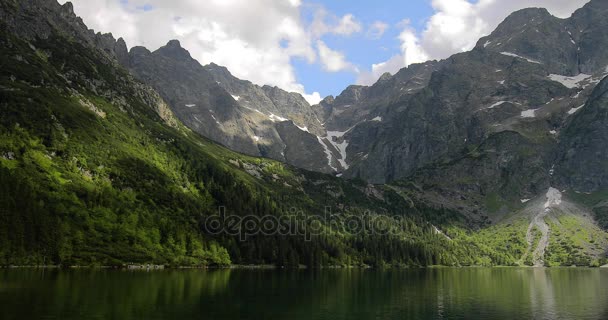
(524, 77)
(494, 113)
(259, 121)
(40, 21)
(582, 163)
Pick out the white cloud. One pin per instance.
(410, 47)
(325, 22)
(255, 39)
(313, 98)
(411, 52)
(347, 26)
(377, 30)
(333, 61)
(456, 26)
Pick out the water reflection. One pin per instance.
(505, 293)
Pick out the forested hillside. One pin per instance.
(95, 170)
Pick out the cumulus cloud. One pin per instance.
(333, 61)
(255, 39)
(325, 22)
(456, 26)
(347, 26)
(377, 30)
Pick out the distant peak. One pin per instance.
(217, 68)
(531, 12)
(106, 36)
(329, 99)
(174, 44)
(139, 50)
(603, 4)
(525, 16)
(68, 7)
(386, 76)
(593, 9)
(269, 87)
(522, 20)
(174, 49)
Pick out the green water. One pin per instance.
(500, 293)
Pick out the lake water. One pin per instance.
(471, 293)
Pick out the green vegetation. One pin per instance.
(571, 241)
(502, 244)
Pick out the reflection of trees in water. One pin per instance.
(328, 294)
(111, 294)
(577, 292)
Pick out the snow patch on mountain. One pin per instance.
(274, 118)
(510, 54)
(327, 153)
(333, 137)
(574, 110)
(570, 82)
(215, 119)
(497, 104)
(528, 113)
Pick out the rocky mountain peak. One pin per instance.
(175, 50)
(596, 6)
(350, 95)
(385, 77)
(518, 22)
(122, 52)
(329, 99)
(139, 51)
(219, 70)
(561, 46)
(174, 44)
(68, 8)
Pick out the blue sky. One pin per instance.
(359, 48)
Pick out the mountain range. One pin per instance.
(494, 156)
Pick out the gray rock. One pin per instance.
(582, 162)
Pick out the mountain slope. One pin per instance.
(259, 121)
(583, 161)
(96, 170)
(98, 167)
(526, 77)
